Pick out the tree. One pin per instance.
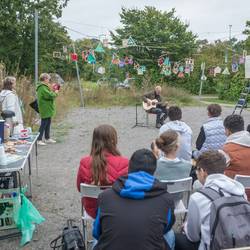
(155, 32)
(17, 34)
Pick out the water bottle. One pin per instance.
(3, 158)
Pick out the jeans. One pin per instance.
(44, 128)
(161, 114)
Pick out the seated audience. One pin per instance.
(212, 133)
(237, 146)
(210, 167)
(137, 212)
(104, 164)
(175, 123)
(169, 166)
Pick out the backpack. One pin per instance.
(229, 220)
(71, 239)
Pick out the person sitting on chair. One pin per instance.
(153, 99)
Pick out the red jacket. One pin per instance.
(117, 166)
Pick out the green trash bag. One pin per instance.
(26, 216)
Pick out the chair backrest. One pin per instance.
(179, 186)
(91, 191)
(243, 179)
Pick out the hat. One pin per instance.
(142, 160)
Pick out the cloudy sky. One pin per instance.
(207, 18)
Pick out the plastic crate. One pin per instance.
(10, 199)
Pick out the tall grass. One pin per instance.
(94, 96)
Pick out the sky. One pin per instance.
(207, 18)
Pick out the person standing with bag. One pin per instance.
(47, 107)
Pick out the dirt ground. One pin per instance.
(54, 189)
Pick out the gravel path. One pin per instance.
(54, 189)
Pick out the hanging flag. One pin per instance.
(105, 42)
(65, 49)
(217, 70)
(226, 71)
(166, 62)
(101, 70)
(166, 70)
(121, 63)
(74, 57)
(235, 67)
(91, 58)
(175, 68)
(241, 60)
(99, 48)
(131, 41)
(160, 61)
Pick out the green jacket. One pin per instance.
(46, 100)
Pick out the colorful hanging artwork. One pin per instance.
(189, 65)
(167, 62)
(141, 69)
(99, 48)
(121, 63)
(136, 65)
(226, 71)
(91, 57)
(65, 49)
(217, 70)
(105, 42)
(211, 71)
(241, 60)
(74, 57)
(235, 67)
(166, 70)
(101, 70)
(187, 69)
(115, 59)
(160, 61)
(175, 68)
(181, 72)
(128, 42)
(57, 54)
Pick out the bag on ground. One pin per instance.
(71, 239)
(229, 220)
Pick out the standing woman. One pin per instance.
(47, 107)
(104, 164)
(10, 102)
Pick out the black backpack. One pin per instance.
(71, 239)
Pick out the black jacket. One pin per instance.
(134, 214)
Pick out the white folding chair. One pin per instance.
(243, 179)
(181, 190)
(89, 191)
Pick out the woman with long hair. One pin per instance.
(10, 102)
(104, 164)
(169, 166)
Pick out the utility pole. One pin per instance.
(78, 78)
(230, 33)
(36, 46)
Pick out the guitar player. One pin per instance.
(160, 108)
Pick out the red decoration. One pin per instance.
(74, 57)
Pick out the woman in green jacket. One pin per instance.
(47, 108)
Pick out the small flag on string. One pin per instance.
(74, 57)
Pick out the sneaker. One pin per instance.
(50, 141)
(41, 143)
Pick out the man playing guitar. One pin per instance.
(152, 103)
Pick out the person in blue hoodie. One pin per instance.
(137, 212)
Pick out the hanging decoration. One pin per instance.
(235, 67)
(99, 48)
(121, 63)
(211, 71)
(217, 70)
(160, 61)
(115, 59)
(65, 49)
(175, 68)
(141, 70)
(101, 70)
(57, 54)
(226, 71)
(181, 70)
(91, 57)
(128, 42)
(74, 57)
(189, 65)
(105, 42)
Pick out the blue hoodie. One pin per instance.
(134, 214)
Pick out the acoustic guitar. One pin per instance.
(152, 104)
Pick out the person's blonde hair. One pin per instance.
(8, 82)
(168, 141)
(44, 76)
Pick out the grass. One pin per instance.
(217, 100)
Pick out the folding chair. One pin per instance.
(245, 181)
(181, 190)
(89, 191)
